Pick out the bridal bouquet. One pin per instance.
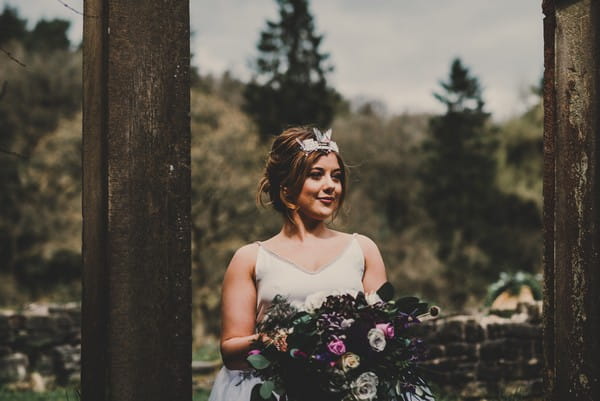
(342, 347)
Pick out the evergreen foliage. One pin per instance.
(459, 167)
(290, 85)
(11, 26)
(47, 35)
(40, 165)
(474, 221)
(473, 193)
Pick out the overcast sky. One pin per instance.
(395, 51)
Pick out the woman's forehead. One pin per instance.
(328, 162)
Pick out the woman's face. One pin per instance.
(320, 194)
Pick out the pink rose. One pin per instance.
(387, 329)
(337, 347)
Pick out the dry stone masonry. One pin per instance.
(40, 346)
(475, 356)
(486, 356)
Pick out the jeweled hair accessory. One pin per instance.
(322, 142)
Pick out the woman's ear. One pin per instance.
(285, 198)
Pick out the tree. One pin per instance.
(458, 174)
(38, 170)
(459, 166)
(49, 36)
(480, 229)
(11, 26)
(290, 85)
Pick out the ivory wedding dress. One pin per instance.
(277, 275)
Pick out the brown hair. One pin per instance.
(286, 169)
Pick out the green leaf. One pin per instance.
(303, 318)
(258, 361)
(266, 389)
(255, 394)
(386, 291)
(421, 308)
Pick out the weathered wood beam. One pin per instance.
(136, 329)
(572, 204)
(548, 194)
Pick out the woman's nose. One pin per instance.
(329, 183)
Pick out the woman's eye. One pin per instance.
(315, 174)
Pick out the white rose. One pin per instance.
(376, 339)
(364, 388)
(315, 300)
(372, 298)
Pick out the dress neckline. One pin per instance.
(302, 268)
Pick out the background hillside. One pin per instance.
(431, 248)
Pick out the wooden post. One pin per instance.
(136, 329)
(572, 199)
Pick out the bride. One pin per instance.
(305, 181)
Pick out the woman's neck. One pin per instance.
(302, 228)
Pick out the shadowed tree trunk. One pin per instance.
(136, 329)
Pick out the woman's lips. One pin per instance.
(327, 200)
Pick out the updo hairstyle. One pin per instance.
(286, 169)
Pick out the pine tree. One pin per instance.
(480, 229)
(290, 86)
(458, 175)
(459, 167)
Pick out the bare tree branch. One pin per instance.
(11, 153)
(13, 58)
(76, 11)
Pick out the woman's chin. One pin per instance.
(320, 216)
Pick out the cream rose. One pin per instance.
(364, 388)
(350, 361)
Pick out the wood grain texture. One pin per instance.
(140, 236)
(576, 320)
(549, 189)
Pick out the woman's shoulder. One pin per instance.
(366, 243)
(245, 257)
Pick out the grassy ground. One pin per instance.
(64, 395)
(209, 351)
(200, 395)
(54, 395)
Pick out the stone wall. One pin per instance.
(40, 346)
(484, 356)
(474, 357)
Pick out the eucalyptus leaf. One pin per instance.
(255, 394)
(258, 361)
(266, 389)
(302, 318)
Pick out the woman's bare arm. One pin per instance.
(374, 275)
(238, 308)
